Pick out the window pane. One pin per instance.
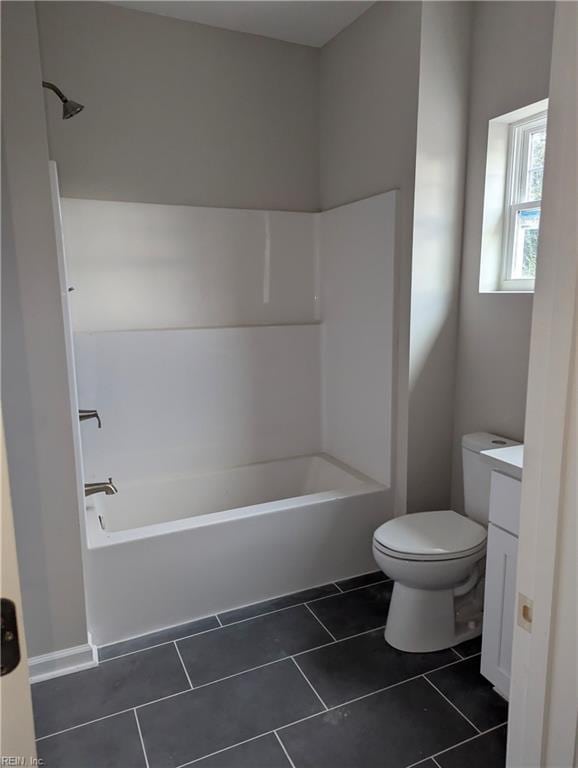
(535, 173)
(534, 189)
(537, 148)
(527, 226)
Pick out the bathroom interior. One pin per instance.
(280, 343)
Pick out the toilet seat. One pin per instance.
(430, 536)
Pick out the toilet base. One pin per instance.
(421, 620)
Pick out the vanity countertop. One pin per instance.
(508, 460)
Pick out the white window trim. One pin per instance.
(517, 172)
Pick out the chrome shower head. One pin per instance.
(69, 108)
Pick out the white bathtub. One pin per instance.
(171, 549)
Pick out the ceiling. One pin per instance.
(308, 22)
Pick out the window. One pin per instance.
(525, 172)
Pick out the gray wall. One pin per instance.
(369, 93)
(437, 241)
(35, 393)
(511, 52)
(178, 112)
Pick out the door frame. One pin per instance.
(552, 346)
(16, 720)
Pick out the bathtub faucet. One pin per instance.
(109, 488)
(83, 415)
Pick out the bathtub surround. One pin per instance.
(177, 401)
(357, 246)
(199, 420)
(309, 371)
(136, 266)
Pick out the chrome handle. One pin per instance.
(84, 415)
(108, 488)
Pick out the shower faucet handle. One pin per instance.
(84, 415)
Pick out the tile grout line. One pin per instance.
(313, 600)
(226, 749)
(330, 709)
(112, 714)
(276, 610)
(292, 657)
(161, 642)
(475, 727)
(203, 632)
(141, 739)
(198, 634)
(455, 746)
(316, 617)
(309, 683)
(277, 661)
(299, 653)
(469, 656)
(336, 641)
(220, 680)
(239, 621)
(183, 664)
(81, 725)
(347, 591)
(380, 690)
(287, 755)
(252, 669)
(203, 685)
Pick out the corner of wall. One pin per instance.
(34, 373)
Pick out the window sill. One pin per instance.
(508, 292)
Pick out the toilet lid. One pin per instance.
(442, 532)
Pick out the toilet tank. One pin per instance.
(477, 472)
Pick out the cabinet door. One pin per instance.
(499, 608)
(505, 501)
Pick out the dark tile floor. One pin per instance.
(301, 681)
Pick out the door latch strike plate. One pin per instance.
(525, 612)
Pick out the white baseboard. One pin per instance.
(62, 662)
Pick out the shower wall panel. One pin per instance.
(211, 338)
(357, 247)
(143, 266)
(177, 401)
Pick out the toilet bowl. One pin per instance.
(436, 560)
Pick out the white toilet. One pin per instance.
(436, 561)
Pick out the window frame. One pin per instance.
(519, 133)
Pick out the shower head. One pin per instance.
(69, 108)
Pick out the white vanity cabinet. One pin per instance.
(500, 589)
